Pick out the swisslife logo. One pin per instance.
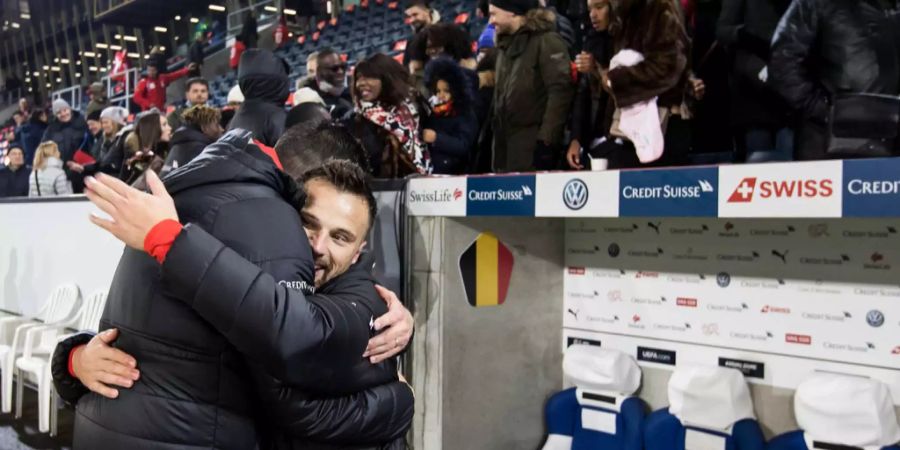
(437, 196)
(812, 189)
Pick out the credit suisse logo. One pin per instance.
(781, 190)
(872, 188)
(683, 192)
(501, 196)
(439, 196)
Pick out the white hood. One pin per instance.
(709, 397)
(846, 410)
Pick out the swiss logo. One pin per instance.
(744, 191)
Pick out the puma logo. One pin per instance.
(781, 256)
(655, 226)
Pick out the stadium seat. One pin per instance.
(34, 363)
(600, 412)
(59, 308)
(842, 412)
(709, 409)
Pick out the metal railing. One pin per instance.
(73, 95)
(11, 96)
(120, 87)
(263, 16)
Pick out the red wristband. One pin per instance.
(71, 360)
(160, 238)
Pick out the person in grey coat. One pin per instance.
(47, 177)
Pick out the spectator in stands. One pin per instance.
(264, 82)
(331, 83)
(312, 63)
(151, 91)
(452, 41)
(534, 87)
(196, 92)
(589, 122)
(419, 14)
(47, 177)
(387, 118)
(109, 149)
(14, 176)
(69, 130)
(99, 99)
(196, 54)
(95, 131)
(233, 102)
(481, 160)
(31, 133)
(655, 31)
(228, 193)
(759, 115)
(486, 41)
(158, 59)
(17, 119)
(249, 33)
(202, 126)
(564, 27)
(452, 128)
(823, 49)
(236, 51)
(147, 147)
(24, 107)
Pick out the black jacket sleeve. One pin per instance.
(293, 336)
(375, 415)
(68, 387)
(460, 143)
(788, 68)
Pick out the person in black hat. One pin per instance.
(534, 87)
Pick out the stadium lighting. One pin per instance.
(25, 16)
(102, 45)
(160, 29)
(195, 20)
(162, 48)
(28, 80)
(59, 80)
(55, 68)
(49, 85)
(46, 67)
(271, 9)
(64, 61)
(89, 54)
(37, 74)
(218, 8)
(15, 25)
(118, 36)
(115, 47)
(133, 55)
(93, 68)
(130, 38)
(77, 74)
(30, 90)
(177, 17)
(290, 12)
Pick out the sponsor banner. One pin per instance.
(660, 193)
(437, 197)
(656, 355)
(772, 369)
(501, 196)
(872, 188)
(581, 194)
(795, 189)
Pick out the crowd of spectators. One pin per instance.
(544, 87)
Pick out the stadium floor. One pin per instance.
(23, 434)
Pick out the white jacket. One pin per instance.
(49, 181)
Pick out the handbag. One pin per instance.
(863, 125)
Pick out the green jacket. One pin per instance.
(533, 94)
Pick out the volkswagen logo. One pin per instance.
(613, 250)
(723, 279)
(875, 318)
(575, 194)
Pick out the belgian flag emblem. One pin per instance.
(486, 267)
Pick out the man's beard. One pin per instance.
(332, 89)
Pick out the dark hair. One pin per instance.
(325, 52)
(308, 145)
(346, 177)
(148, 131)
(395, 80)
(18, 113)
(200, 115)
(196, 80)
(36, 115)
(413, 3)
(306, 112)
(452, 38)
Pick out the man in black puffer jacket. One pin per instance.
(263, 78)
(827, 47)
(195, 388)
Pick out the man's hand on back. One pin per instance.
(397, 326)
(134, 213)
(98, 365)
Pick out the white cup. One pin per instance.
(599, 164)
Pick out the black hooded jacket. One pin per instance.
(457, 131)
(263, 78)
(187, 143)
(200, 365)
(69, 136)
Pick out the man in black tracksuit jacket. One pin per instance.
(197, 389)
(263, 78)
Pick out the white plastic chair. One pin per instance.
(59, 309)
(38, 350)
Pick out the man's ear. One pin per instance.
(359, 252)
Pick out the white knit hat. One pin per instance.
(307, 95)
(117, 114)
(235, 95)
